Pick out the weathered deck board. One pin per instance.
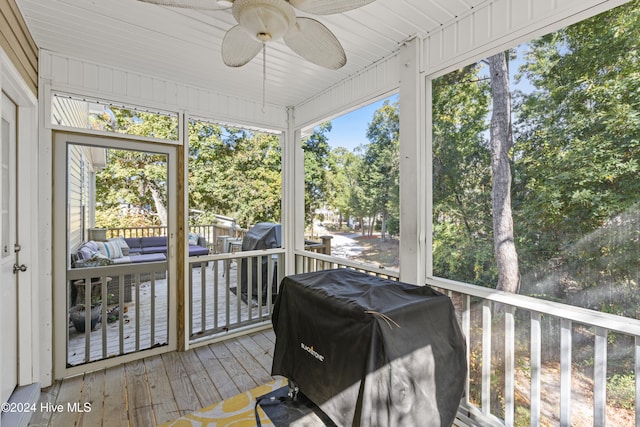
(223, 382)
(183, 390)
(70, 391)
(164, 406)
(262, 356)
(92, 392)
(204, 388)
(237, 373)
(140, 407)
(116, 413)
(159, 388)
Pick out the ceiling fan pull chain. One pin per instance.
(264, 75)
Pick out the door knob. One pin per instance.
(20, 267)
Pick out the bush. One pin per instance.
(621, 391)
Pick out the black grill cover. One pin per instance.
(369, 351)
(263, 235)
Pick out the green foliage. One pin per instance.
(621, 391)
(235, 173)
(316, 170)
(232, 172)
(579, 131)
(343, 181)
(463, 242)
(131, 189)
(379, 177)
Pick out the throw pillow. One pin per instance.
(193, 239)
(123, 245)
(110, 249)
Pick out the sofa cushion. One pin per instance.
(133, 242)
(147, 258)
(154, 241)
(154, 249)
(197, 250)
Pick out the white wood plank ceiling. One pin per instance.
(183, 45)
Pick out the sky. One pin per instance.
(350, 131)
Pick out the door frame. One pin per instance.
(62, 139)
(30, 325)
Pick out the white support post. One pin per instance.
(509, 365)
(565, 373)
(292, 192)
(466, 330)
(413, 164)
(486, 357)
(536, 366)
(637, 375)
(600, 378)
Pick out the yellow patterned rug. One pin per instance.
(237, 411)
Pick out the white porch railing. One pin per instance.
(141, 289)
(232, 291)
(508, 334)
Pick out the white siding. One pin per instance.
(76, 193)
(501, 24)
(376, 80)
(79, 77)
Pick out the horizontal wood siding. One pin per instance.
(75, 184)
(17, 43)
(502, 24)
(70, 112)
(79, 77)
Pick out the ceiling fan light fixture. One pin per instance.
(264, 20)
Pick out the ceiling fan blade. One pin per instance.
(328, 7)
(238, 47)
(190, 4)
(316, 43)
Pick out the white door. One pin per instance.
(8, 255)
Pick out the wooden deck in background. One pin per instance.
(226, 275)
(161, 388)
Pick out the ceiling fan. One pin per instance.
(264, 21)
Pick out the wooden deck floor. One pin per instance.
(162, 388)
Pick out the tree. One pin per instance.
(132, 178)
(381, 164)
(501, 145)
(235, 173)
(343, 181)
(463, 248)
(578, 131)
(316, 168)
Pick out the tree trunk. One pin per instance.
(161, 209)
(501, 144)
(383, 228)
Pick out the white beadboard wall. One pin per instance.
(376, 80)
(495, 25)
(484, 30)
(501, 24)
(80, 77)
